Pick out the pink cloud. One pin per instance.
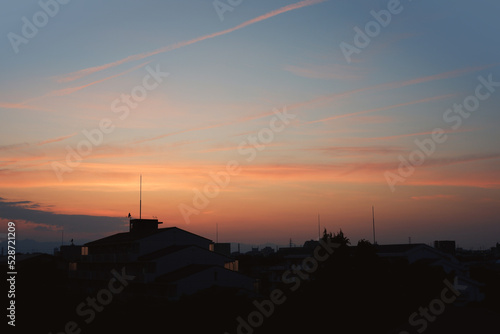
(425, 133)
(54, 140)
(17, 106)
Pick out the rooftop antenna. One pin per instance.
(140, 200)
(373, 219)
(216, 233)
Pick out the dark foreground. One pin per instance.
(353, 293)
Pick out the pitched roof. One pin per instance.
(126, 237)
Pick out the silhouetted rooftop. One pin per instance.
(126, 237)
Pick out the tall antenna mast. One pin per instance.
(373, 218)
(140, 200)
(217, 233)
(319, 229)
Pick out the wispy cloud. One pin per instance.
(235, 148)
(206, 127)
(435, 197)
(359, 150)
(440, 76)
(40, 143)
(415, 134)
(18, 106)
(70, 90)
(390, 85)
(331, 97)
(87, 71)
(54, 140)
(462, 159)
(331, 118)
(13, 146)
(333, 71)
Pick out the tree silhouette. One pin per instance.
(341, 239)
(338, 238)
(326, 235)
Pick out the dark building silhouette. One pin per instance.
(167, 262)
(223, 248)
(446, 246)
(137, 225)
(434, 257)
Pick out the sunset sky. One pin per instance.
(98, 70)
